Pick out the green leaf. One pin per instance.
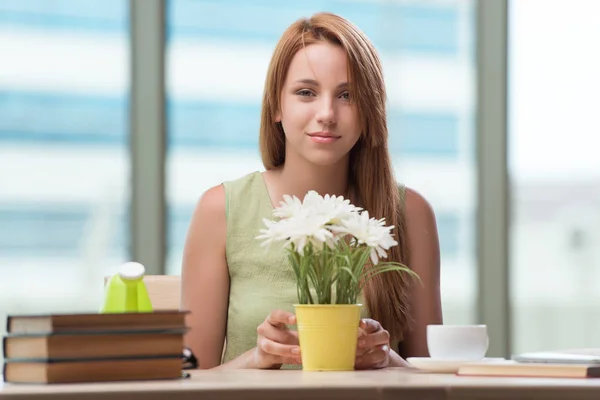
(342, 270)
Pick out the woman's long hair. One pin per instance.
(371, 177)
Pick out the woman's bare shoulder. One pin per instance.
(417, 207)
(212, 201)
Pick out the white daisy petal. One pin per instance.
(373, 256)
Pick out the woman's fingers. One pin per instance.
(374, 359)
(281, 318)
(277, 334)
(361, 351)
(276, 343)
(278, 349)
(370, 325)
(378, 338)
(292, 360)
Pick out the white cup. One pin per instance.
(457, 342)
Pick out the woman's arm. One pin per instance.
(205, 279)
(205, 292)
(424, 259)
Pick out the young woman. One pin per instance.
(323, 127)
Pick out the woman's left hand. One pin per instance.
(373, 349)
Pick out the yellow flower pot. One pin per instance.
(328, 335)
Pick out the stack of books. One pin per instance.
(65, 348)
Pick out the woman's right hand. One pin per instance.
(276, 343)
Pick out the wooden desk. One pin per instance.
(392, 383)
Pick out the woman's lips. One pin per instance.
(323, 137)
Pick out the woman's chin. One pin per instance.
(324, 159)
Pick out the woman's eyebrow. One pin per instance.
(315, 83)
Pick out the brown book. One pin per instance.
(94, 345)
(92, 370)
(538, 370)
(57, 323)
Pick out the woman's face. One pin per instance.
(319, 118)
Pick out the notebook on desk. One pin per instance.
(553, 357)
(579, 363)
(511, 368)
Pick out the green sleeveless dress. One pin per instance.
(261, 279)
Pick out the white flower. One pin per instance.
(308, 229)
(322, 220)
(299, 230)
(312, 200)
(274, 232)
(289, 207)
(335, 209)
(370, 232)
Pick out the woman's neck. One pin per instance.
(297, 179)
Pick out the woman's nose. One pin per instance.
(326, 111)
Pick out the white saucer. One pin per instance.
(444, 366)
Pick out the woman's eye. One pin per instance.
(304, 92)
(345, 96)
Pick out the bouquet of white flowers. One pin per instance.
(329, 243)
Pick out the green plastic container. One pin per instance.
(126, 291)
